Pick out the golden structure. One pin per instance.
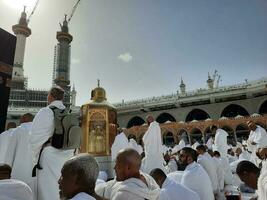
(99, 120)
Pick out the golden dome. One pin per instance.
(98, 94)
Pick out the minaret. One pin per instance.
(73, 96)
(182, 86)
(62, 60)
(210, 82)
(22, 31)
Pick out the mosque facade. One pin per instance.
(192, 112)
(23, 99)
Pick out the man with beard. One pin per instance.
(195, 177)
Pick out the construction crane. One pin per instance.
(73, 10)
(33, 10)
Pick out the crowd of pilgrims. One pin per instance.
(151, 171)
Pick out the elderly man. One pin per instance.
(12, 189)
(51, 158)
(134, 185)
(170, 189)
(19, 155)
(152, 147)
(195, 177)
(78, 178)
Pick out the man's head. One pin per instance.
(55, 93)
(251, 125)
(28, 117)
(201, 149)
(149, 119)
(159, 176)
(210, 152)
(216, 154)
(213, 129)
(188, 155)
(248, 173)
(5, 171)
(78, 174)
(11, 125)
(128, 163)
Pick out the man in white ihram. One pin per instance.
(120, 142)
(257, 139)
(195, 177)
(220, 141)
(19, 155)
(171, 190)
(220, 145)
(152, 147)
(51, 159)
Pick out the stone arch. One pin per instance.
(231, 139)
(135, 121)
(168, 139)
(233, 110)
(197, 114)
(242, 132)
(263, 108)
(163, 117)
(197, 135)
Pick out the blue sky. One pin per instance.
(141, 48)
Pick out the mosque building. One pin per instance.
(192, 113)
(23, 99)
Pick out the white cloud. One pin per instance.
(126, 57)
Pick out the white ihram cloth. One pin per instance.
(52, 159)
(105, 189)
(4, 142)
(82, 196)
(179, 146)
(262, 182)
(259, 136)
(194, 146)
(220, 142)
(220, 172)
(172, 166)
(209, 143)
(171, 190)
(153, 149)
(197, 179)
(135, 189)
(11, 189)
(120, 142)
(176, 176)
(208, 164)
(19, 155)
(133, 145)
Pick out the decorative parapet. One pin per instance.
(177, 98)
